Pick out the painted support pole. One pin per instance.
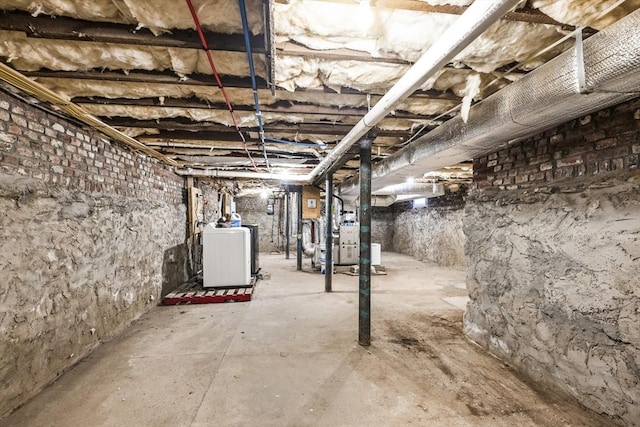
(364, 318)
(287, 224)
(299, 231)
(328, 241)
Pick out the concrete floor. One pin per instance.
(290, 358)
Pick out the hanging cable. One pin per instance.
(205, 47)
(252, 71)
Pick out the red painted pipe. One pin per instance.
(205, 47)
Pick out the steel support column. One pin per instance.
(299, 230)
(328, 241)
(287, 224)
(364, 318)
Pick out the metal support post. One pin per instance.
(299, 231)
(328, 253)
(287, 225)
(364, 318)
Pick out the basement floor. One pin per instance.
(290, 358)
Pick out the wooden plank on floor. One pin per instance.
(192, 292)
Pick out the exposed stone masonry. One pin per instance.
(553, 249)
(91, 234)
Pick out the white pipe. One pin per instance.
(541, 100)
(308, 247)
(217, 173)
(473, 22)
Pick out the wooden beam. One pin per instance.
(205, 151)
(211, 133)
(148, 77)
(168, 77)
(280, 107)
(197, 130)
(64, 28)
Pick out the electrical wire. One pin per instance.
(252, 71)
(205, 47)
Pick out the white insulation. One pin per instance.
(159, 16)
(32, 54)
(326, 26)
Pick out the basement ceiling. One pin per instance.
(139, 66)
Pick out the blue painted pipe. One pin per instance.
(254, 86)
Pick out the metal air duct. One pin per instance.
(543, 99)
(473, 22)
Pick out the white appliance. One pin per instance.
(226, 257)
(376, 254)
(349, 241)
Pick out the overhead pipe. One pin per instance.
(428, 189)
(541, 100)
(252, 72)
(205, 47)
(473, 22)
(389, 195)
(299, 144)
(383, 201)
(221, 173)
(254, 88)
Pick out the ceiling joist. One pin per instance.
(63, 28)
(198, 130)
(196, 79)
(280, 107)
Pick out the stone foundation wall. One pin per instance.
(431, 234)
(90, 236)
(382, 227)
(554, 257)
(253, 210)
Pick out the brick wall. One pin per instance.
(602, 142)
(91, 234)
(60, 153)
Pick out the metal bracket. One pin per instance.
(580, 70)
